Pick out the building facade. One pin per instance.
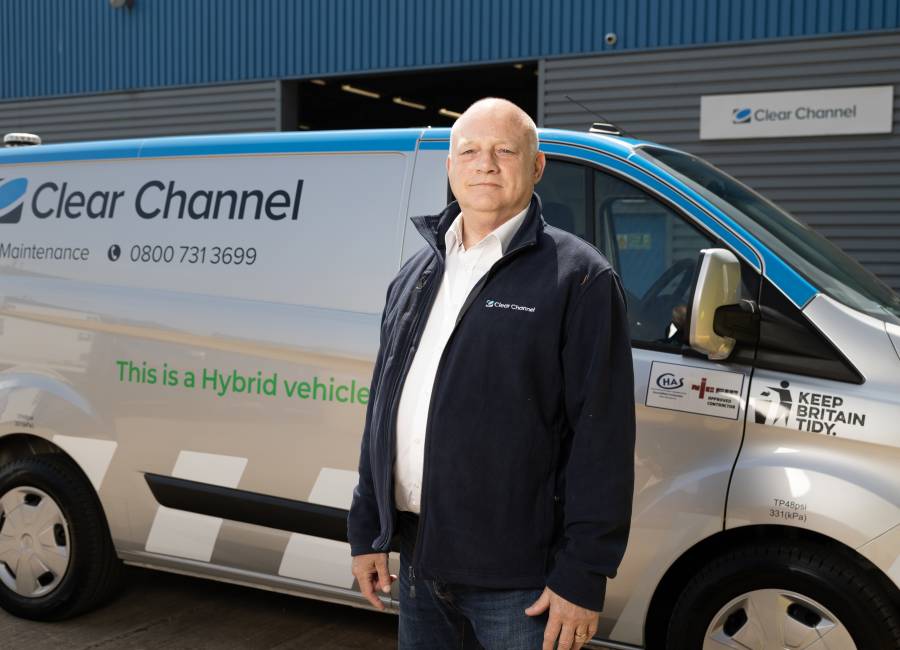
(657, 68)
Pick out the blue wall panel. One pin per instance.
(59, 47)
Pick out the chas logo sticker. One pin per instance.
(11, 194)
(691, 389)
(668, 381)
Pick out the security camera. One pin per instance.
(611, 38)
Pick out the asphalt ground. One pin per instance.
(164, 610)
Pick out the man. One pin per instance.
(499, 437)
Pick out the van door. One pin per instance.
(244, 457)
(690, 411)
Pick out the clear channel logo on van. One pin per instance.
(741, 115)
(155, 199)
(11, 194)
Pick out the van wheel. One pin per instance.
(56, 554)
(785, 596)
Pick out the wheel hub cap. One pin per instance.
(776, 619)
(34, 542)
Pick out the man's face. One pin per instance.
(491, 166)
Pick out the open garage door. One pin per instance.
(422, 98)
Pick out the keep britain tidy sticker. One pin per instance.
(695, 390)
(778, 403)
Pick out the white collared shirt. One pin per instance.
(463, 268)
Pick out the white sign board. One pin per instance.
(692, 389)
(835, 111)
(303, 229)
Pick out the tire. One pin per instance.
(56, 556)
(781, 595)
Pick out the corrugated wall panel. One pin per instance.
(846, 187)
(183, 111)
(57, 47)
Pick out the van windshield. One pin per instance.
(823, 264)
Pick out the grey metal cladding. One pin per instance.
(846, 187)
(195, 110)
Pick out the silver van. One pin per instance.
(187, 332)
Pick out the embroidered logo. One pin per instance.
(496, 304)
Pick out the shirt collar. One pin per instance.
(502, 233)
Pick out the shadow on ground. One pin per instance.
(163, 610)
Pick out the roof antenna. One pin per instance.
(604, 126)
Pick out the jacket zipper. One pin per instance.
(394, 401)
(473, 294)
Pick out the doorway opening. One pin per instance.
(409, 99)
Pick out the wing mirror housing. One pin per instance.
(717, 284)
(739, 321)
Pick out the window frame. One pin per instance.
(748, 357)
(592, 167)
(588, 195)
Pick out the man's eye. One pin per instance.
(506, 151)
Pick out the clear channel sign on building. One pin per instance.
(833, 111)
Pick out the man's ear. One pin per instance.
(540, 162)
(447, 163)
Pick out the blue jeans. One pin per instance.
(461, 617)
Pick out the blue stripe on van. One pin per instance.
(630, 171)
(794, 286)
(112, 150)
(609, 143)
(437, 145)
(440, 133)
(261, 143)
(797, 288)
(210, 145)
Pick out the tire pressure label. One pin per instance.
(788, 510)
(695, 390)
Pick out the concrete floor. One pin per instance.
(162, 610)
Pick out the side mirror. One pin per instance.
(718, 283)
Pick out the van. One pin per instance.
(188, 327)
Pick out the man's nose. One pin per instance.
(487, 163)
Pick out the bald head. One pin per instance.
(494, 163)
(500, 110)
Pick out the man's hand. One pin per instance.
(574, 625)
(371, 572)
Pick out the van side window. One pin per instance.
(653, 248)
(655, 252)
(564, 196)
(788, 342)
